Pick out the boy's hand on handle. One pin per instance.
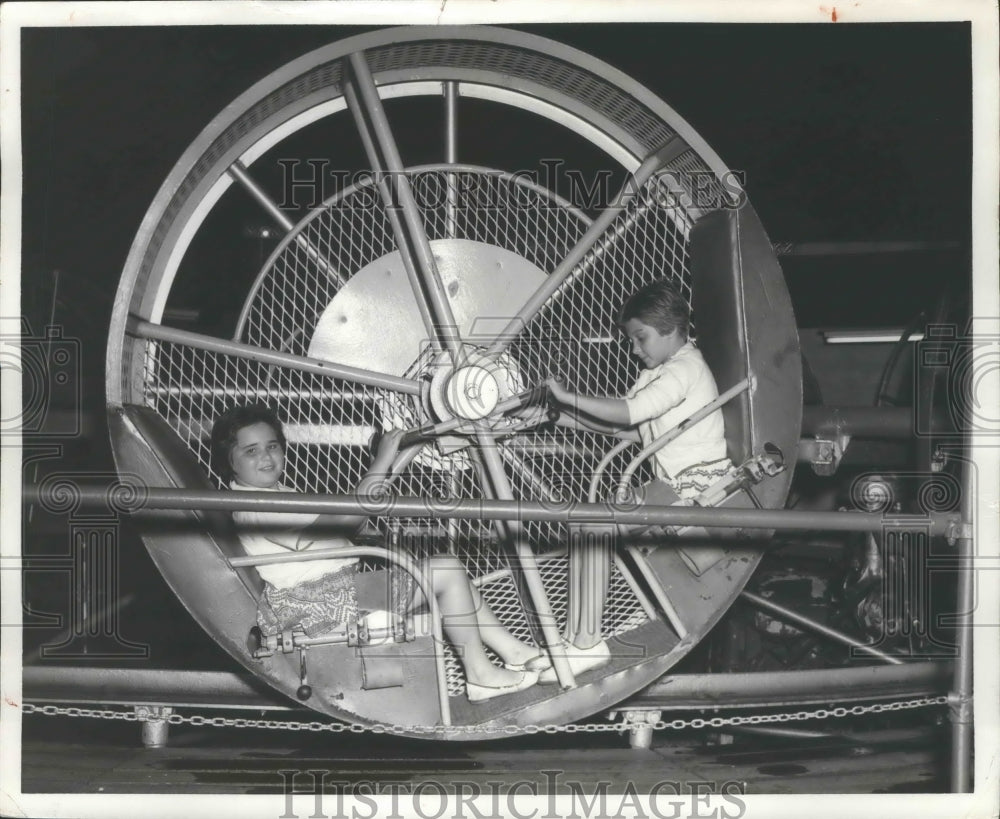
(557, 390)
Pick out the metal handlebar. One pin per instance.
(422, 434)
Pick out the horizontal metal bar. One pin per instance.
(772, 688)
(879, 422)
(157, 332)
(205, 391)
(785, 733)
(223, 689)
(858, 248)
(149, 686)
(935, 523)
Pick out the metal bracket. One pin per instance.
(641, 723)
(825, 454)
(957, 530)
(959, 708)
(154, 724)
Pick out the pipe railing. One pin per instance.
(136, 498)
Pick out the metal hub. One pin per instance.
(472, 393)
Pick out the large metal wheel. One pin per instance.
(367, 316)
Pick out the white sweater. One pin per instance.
(663, 397)
(270, 532)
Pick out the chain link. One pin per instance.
(508, 730)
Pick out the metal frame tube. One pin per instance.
(657, 590)
(451, 156)
(604, 463)
(934, 523)
(529, 566)
(382, 185)
(961, 693)
(223, 689)
(814, 625)
(257, 392)
(157, 332)
(239, 172)
(440, 308)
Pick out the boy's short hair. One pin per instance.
(228, 425)
(660, 305)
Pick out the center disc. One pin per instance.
(472, 393)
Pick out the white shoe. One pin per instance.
(481, 693)
(580, 660)
(539, 662)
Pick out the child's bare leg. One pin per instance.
(460, 619)
(496, 636)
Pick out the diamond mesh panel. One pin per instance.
(575, 334)
(622, 613)
(189, 388)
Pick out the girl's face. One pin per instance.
(649, 346)
(257, 458)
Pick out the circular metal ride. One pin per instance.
(467, 290)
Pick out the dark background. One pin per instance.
(844, 133)
(850, 133)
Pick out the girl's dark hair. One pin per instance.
(226, 427)
(660, 305)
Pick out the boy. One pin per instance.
(675, 384)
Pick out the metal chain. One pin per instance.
(508, 730)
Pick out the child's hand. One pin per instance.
(558, 391)
(388, 445)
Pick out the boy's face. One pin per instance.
(649, 346)
(257, 458)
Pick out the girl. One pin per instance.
(248, 451)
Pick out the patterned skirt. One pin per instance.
(328, 602)
(691, 482)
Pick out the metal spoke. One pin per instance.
(373, 126)
(451, 156)
(392, 213)
(526, 558)
(789, 615)
(590, 247)
(656, 587)
(157, 332)
(239, 172)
